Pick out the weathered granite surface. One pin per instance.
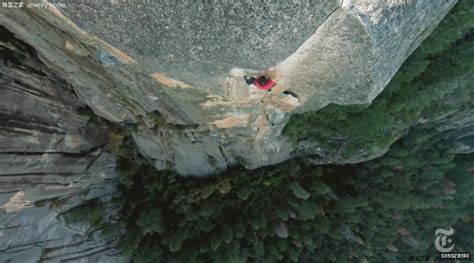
(322, 51)
(353, 55)
(199, 42)
(49, 155)
(326, 51)
(55, 62)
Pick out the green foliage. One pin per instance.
(441, 67)
(351, 208)
(91, 212)
(320, 188)
(151, 221)
(381, 210)
(113, 230)
(41, 203)
(243, 193)
(299, 191)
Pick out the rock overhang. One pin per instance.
(340, 60)
(198, 42)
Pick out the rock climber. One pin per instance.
(262, 82)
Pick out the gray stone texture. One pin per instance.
(190, 153)
(325, 51)
(353, 55)
(48, 155)
(199, 42)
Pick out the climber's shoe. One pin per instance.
(248, 80)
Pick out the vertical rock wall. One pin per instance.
(51, 161)
(55, 62)
(353, 55)
(199, 42)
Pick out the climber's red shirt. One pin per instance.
(267, 85)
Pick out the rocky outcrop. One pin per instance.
(174, 72)
(326, 51)
(462, 126)
(186, 61)
(51, 161)
(199, 42)
(353, 55)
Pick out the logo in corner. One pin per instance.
(442, 240)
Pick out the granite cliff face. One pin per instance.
(52, 161)
(184, 63)
(128, 61)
